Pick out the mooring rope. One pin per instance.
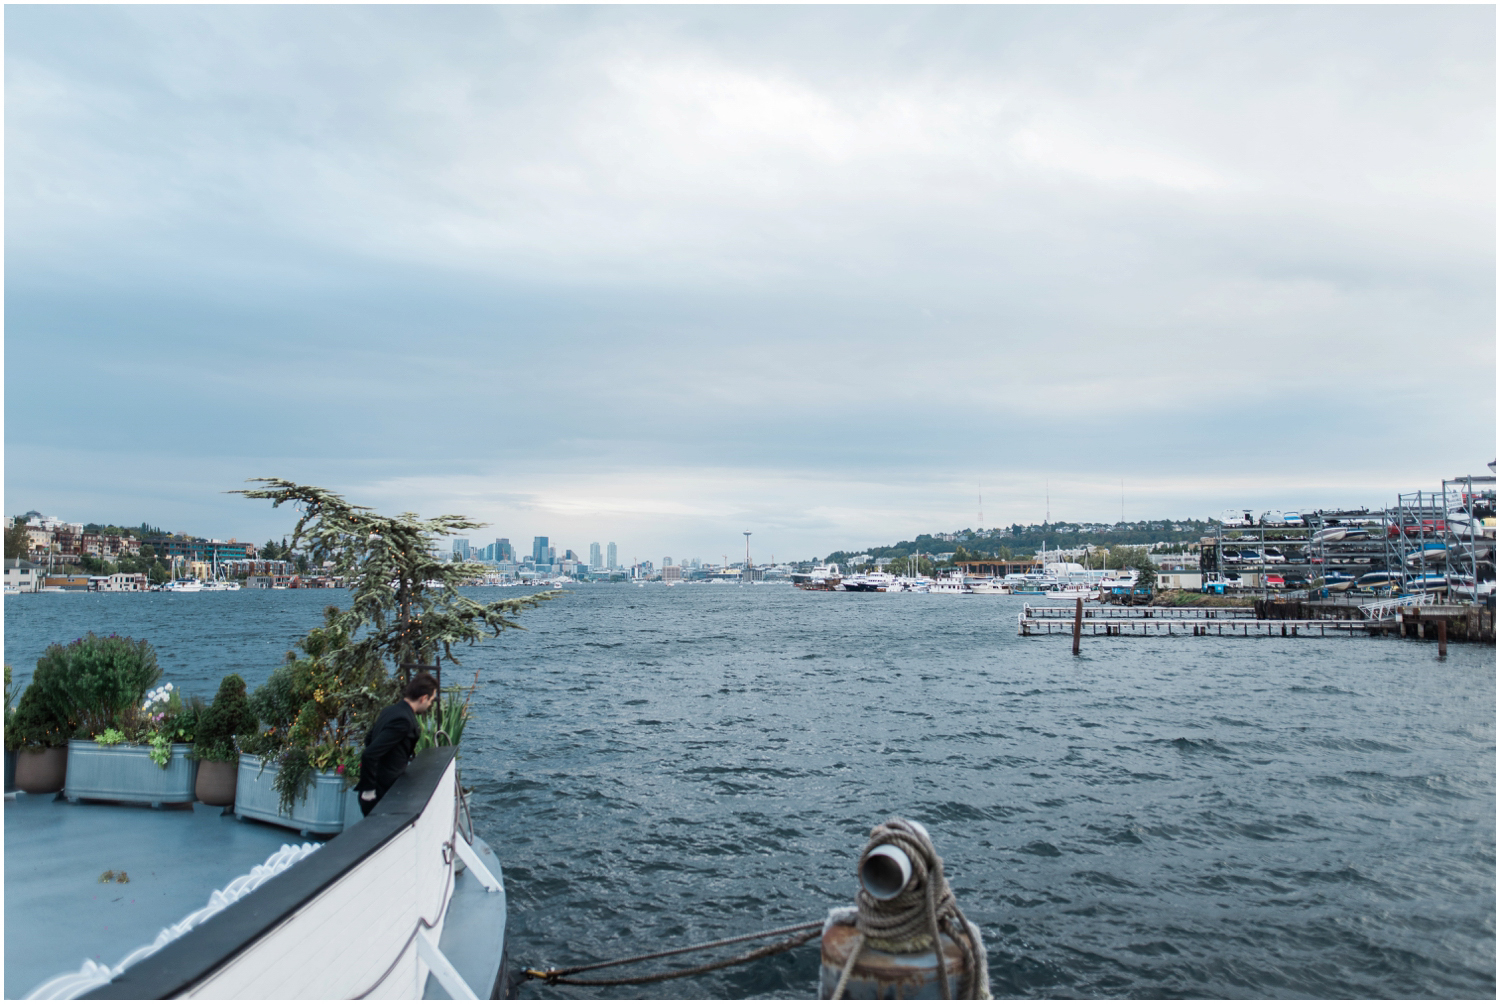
(803, 933)
(914, 918)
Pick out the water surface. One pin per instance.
(1161, 817)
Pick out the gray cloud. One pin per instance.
(827, 248)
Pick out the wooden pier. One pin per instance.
(1458, 623)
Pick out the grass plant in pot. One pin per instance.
(39, 731)
(404, 608)
(214, 743)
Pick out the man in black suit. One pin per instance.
(392, 740)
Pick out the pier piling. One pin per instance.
(1077, 625)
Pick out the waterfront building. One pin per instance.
(214, 552)
(613, 562)
(595, 558)
(671, 573)
(22, 575)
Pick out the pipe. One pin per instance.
(885, 871)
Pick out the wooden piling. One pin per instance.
(1443, 638)
(1077, 625)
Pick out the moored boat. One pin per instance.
(824, 578)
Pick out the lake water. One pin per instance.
(1161, 817)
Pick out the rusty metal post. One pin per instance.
(1443, 638)
(1077, 625)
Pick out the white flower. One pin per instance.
(168, 687)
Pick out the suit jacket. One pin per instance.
(388, 747)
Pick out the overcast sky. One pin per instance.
(662, 275)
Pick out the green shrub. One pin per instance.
(277, 702)
(101, 679)
(10, 705)
(228, 716)
(42, 715)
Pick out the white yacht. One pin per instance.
(183, 586)
(955, 586)
(1070, 591)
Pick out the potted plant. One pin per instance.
(214, 743)
(405, 609)
(293, 768)
(144, 757)
(128, 745)
(38, 733)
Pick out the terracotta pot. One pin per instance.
(41, 771)
(216, 782)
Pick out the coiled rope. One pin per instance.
(801, 935)
(914, 918)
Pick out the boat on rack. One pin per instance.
(407, 902)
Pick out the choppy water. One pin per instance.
(1167, 817)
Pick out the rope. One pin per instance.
(804, 934)
(917, 916)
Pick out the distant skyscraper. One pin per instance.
(539, 551)
(551, 556)
(666, 561)
(613, 562)
(595, 558)
(502, 550)
(461, 548)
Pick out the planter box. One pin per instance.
(126, 774)
(324, 809)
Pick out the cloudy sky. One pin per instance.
(662, 275)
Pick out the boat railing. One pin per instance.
(378, 885)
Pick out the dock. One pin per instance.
(1406, 620)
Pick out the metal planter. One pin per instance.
(127, 774)
(324, 809)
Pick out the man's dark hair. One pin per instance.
(420, 686)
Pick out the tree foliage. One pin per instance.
(404, 605)
(404, 609)
(17, 540)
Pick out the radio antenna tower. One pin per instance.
(981, 508)
(1048, 517)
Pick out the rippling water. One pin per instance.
(1162, 817)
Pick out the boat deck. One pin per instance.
(58, 913)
